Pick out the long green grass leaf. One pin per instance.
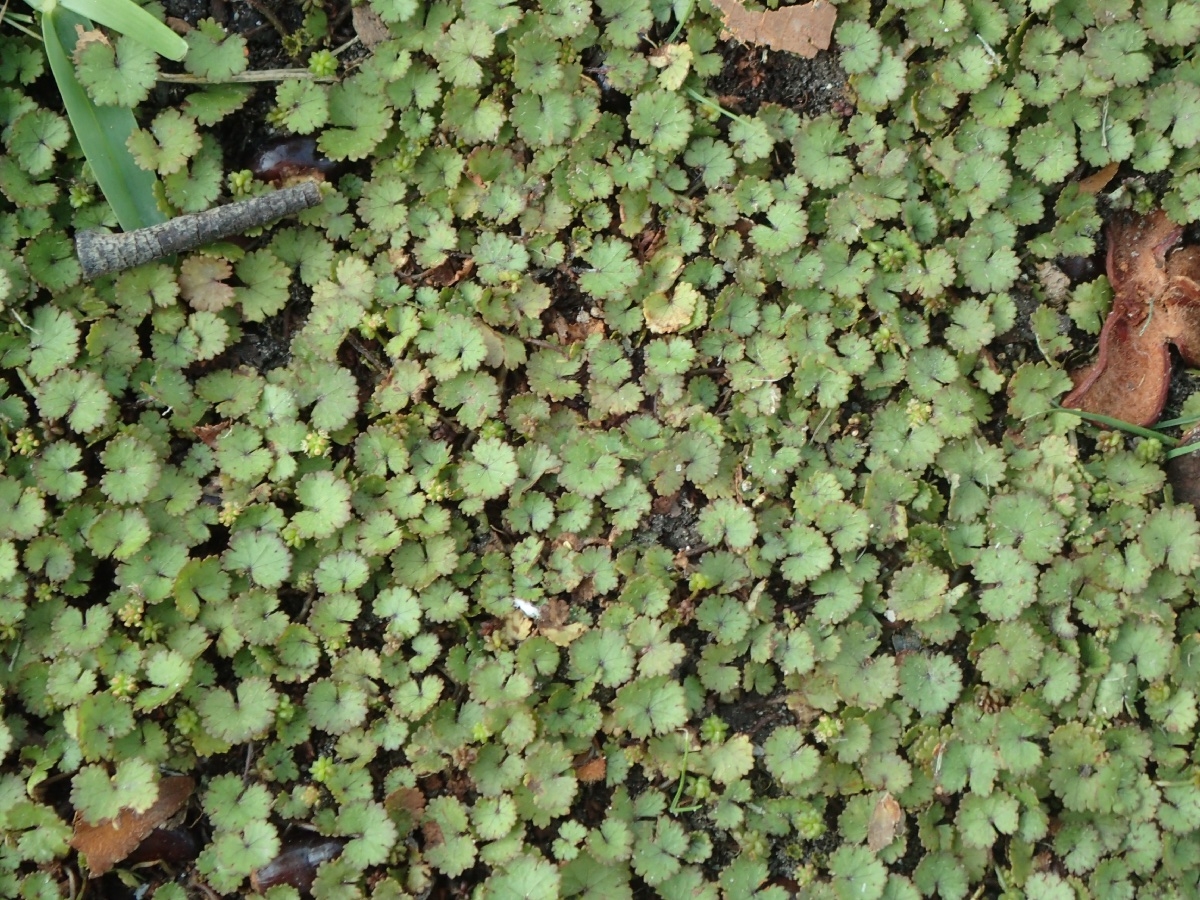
(1110, 422)
(1182, 450)
(1183, 420)
(101, 130)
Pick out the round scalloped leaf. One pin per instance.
(543, 120)
(34, 139)
(117, 77)
(860, 46)
(244, 719)
(301, 106)
(651, 706)
(335, 707)
(929, 683)
(261, 555)
(789, 758)
(132, 470)
(327, 499)
(77, 396)
(213, 54)
(661, 120)
(1046, 151)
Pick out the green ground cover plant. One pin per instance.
(611, 489)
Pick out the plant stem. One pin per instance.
(258, 75)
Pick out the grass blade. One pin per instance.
(1110, 422)
(1182, 420)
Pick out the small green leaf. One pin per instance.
(661, 120)
(789, 758)
(261, 555)
(213, 54)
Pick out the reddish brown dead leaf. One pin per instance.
(885, 822)
(108, 842)
(802, 30)
(555, 613)
(1156, 303)
(450, 272)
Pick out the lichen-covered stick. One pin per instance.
(101, 253)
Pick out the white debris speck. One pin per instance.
(526, 607)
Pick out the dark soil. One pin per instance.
(753, 76)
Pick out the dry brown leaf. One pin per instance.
(885, 822)
(108, 842)
(1054, 282)
(407, 799)
(802, 30)
(555, 613)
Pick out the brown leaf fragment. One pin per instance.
(802, 30)
(109, 841)
(1098, 180)
(885, 822)
(1156, 303)
(83, 37)
(208, 434)
(1054, 282)
(408, 799)
(369, 26)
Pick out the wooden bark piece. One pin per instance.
(802, 30)
(101, 253)
(1156, 303)
(108, 842)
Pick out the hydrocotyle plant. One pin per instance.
(103, 126)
